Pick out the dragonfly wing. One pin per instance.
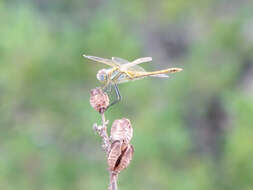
(101, 60)
(136, 68)
(119, 60)
(126, 64)
(137, 61)
(160, 76)
(142, 60)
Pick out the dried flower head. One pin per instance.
(118, 160)
(99, 100)
(122, 131)
(114, 155)
(125, 159)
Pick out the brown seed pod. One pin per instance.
(125, 159)
(114, 155)
(122, 131)
(117, 159)
(99, 100)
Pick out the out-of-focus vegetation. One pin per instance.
(193, 131)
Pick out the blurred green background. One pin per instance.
(193, 131)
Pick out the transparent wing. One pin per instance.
(136, 68)
(119, 60)
(160, 76)
(142, 60)
(101, 60)
(132, 66)
(137, 61)
(124, 62)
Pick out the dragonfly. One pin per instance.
(122, 71)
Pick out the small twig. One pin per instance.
(113, 181)
(102, 131)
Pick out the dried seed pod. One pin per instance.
(114, 155)
(121, 130)
(125, 159)
(124, 146)
(99, 100)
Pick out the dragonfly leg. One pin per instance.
(117, 94)
(106, 87)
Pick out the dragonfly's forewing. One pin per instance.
(101, 60)
(119, 60)
(142, 60)
(136, 68)
(137, 61)
(126, 65)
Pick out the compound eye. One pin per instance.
(101, 75)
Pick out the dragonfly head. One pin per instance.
(102, 75)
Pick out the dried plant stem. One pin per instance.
(113, 181)
(117, 147)
(106, 141)
(102, 131)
